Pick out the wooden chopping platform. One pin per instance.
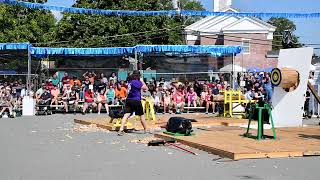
(203, 120)
(229, 142)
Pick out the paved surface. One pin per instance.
(41, 148)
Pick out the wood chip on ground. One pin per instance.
(89, 128)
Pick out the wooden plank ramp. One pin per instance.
(229, 142)
(202, 121)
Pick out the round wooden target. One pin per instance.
(276, 77)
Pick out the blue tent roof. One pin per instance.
(40, 51)
(182, 49)
(255, 69)
(197, 49)
(192, 49)
(13, 46)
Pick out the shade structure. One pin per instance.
(233, 68)
(256, 69)
(14, 46)
(45, 51)
(180, 49)
(215, 50)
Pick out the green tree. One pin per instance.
(81, 30)
(18, 24)
(282, 24)
(191, 5)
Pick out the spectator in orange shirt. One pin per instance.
(121, 93)
(75, 82)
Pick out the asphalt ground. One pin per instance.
(51, 147)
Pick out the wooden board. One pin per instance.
(104, 123)
(314, 92)
(203, 120)
(229, 142)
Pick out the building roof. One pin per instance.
(230, 24)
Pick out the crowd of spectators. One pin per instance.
(255, 85)
(98, 92)
(11, 95)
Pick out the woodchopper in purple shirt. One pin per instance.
(133, 102)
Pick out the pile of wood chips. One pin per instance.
(89, 128)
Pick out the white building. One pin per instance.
(253, 34)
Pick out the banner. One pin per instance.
(157, 13)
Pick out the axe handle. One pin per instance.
(186, 150)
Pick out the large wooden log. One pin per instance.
(287, 78)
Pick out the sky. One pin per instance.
(307, 29)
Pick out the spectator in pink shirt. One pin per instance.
(178, 100)
(192, 97)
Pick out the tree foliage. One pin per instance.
(282, 24)
(80, 30)
(18, 24)
(191, 5)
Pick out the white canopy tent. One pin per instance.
(233, 68)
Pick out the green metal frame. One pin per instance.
(260, 133)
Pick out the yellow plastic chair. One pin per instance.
(230, 97)
(148, 107)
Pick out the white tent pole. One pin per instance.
(232, 85)
(29, 71)
(135, 67)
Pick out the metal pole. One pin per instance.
(135, 66)
(242, 62)
(29, 71)
(232, 73)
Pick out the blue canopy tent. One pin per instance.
(42, 52)
(20, 46)
(257, 70)
(190, 49)
(212, 50)
(14, 46)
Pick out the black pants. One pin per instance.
(43, 104)
(133, 106)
